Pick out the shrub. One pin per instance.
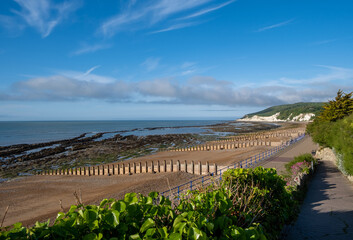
(300, 162)
(247, 204)
(278, 206)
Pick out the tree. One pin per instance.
(338, 108)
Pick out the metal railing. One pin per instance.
(217, 174)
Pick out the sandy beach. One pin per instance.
(37, 198)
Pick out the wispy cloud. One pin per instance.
(147, 14)
(208, 10)
(176, 26)
(335, 74)
(151, 63)
(43, 15)
(324, 42)
(277, 25)
(199, 90)
(86, 48)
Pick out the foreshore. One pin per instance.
(90, 150)
(37, 198)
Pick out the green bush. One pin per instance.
(278, 206)
(307, 158)
(246, 204)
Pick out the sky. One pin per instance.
(170, 59)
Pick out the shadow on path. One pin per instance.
(327, 211)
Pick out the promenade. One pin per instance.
(327, 211)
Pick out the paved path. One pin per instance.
(304, 146)
(327, 211)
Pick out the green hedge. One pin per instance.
(337, 135)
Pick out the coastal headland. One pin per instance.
(37, 198)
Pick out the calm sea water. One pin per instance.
(44, 131)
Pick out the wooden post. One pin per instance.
(200, 167)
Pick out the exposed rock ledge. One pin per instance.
(303, 117)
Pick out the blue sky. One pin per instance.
(169, 59)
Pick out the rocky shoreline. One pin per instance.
(29, 159)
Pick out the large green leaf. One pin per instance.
(175, 236)
(112, 218)
(147, 224)
(90, 216)
(120, 206)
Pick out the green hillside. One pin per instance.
(288, 109)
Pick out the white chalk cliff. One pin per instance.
(303, 117)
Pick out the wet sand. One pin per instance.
(37, 198)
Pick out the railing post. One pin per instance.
(191, 185)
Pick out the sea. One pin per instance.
(28, 132)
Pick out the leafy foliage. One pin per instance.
(339, 108)
(290, 110)
(306, 158)
(334, 129)
(278, 206)
(247, 204)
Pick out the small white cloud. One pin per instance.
(208, 10)
(277, 25)
(151, 63)
(324, 42)
(176, 26)
(85, 48)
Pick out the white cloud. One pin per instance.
(322, 42)
(277, 25)
(85, 48)
(146, 14)
(200, 90)
(151, 63)
(176, 26)
(43, 15)
(207, 10)
(335, 74)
